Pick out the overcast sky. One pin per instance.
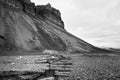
(95, 21)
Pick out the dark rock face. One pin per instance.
(25, 27)
(45, 11)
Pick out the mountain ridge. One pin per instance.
(22, 30)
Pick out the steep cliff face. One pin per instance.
(20, 31)
(44, 11)
(53, 15)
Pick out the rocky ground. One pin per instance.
(72, 66)
(95, 67)
(34, 67)
(23, 63)
(22, 67)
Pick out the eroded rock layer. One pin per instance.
(26, 27)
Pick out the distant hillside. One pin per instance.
(113, 49)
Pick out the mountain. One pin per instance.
(26, 27)
(112, 49)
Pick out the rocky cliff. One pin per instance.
(26, 27)
(44, 11)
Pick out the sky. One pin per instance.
(94, 21)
